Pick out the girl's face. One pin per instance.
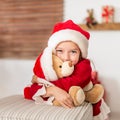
(68, 51)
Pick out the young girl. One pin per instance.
(70, 43)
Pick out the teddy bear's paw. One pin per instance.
(93, 96)
(77, 95)
(80, 97)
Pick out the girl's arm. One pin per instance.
(80, 77)
(60, 95)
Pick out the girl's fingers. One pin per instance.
(67, 104)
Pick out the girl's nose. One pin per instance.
(66, 57)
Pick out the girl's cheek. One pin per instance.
(75, 61)
(60, 56)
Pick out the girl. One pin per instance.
(70, 43)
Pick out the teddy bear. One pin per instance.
(90, 93)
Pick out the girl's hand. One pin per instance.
(60, 95)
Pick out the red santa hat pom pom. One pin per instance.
(69, 31)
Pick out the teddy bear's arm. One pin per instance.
(80, 77)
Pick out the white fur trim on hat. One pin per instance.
(69, 35)
(47, 65)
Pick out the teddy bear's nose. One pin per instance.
(70, 64)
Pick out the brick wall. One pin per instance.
(25, 26)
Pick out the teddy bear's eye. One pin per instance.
(60, 66)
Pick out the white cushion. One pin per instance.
(17, 108)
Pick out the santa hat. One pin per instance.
(64, 31)
(69, 31)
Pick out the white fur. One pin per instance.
(80, 96)
(66, 69)
(69, 35)
(47, 65)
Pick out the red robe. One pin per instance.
(80, 77)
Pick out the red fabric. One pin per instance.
(27, 93)
(80, 77)
(96, 108)
(94, 76)
(70, 25)
(37, 68)
(30, 91)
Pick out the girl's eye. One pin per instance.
(73, 51)
(59, 51)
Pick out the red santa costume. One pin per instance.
(82, 71)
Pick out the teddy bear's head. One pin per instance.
(62, 69)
